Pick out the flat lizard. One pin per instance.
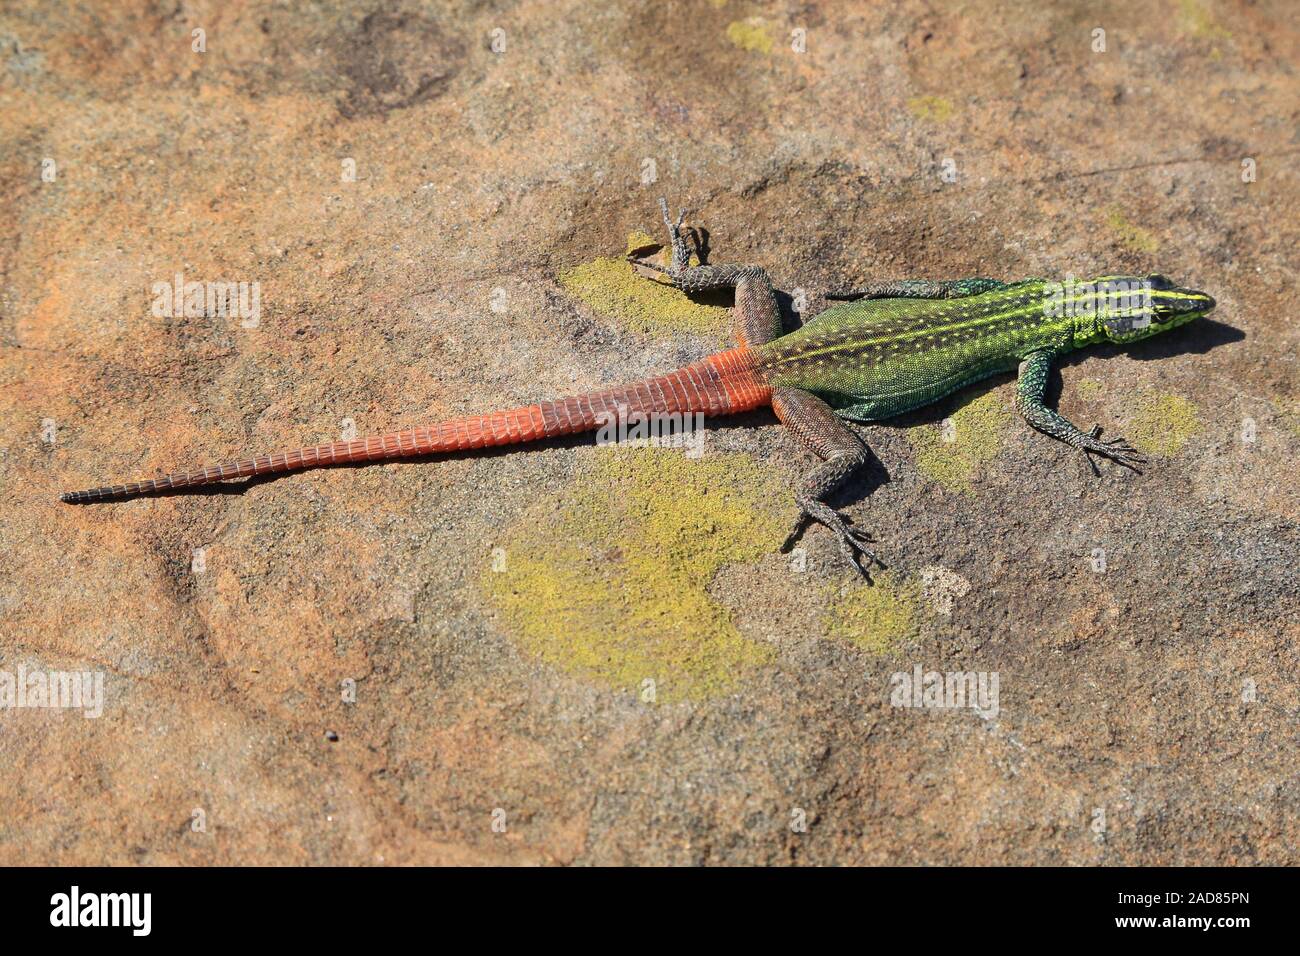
(886, 349)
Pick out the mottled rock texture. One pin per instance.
(433, 200)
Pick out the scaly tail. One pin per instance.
(722, 384)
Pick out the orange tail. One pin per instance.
(720, 385)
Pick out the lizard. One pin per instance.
(880, 351)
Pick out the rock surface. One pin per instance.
(574, 654)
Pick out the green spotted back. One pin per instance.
(873, 358)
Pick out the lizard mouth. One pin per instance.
(1177, 303)
(1169, 301)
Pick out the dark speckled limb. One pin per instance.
(1032, 385)
(816, 427)
(756, 319)
(922, 289)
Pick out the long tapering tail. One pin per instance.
(722, 384)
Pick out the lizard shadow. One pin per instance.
(577, 440)
(201, 491)
(1195, 338)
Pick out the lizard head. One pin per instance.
(1130, 308)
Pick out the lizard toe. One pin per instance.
(1116, 449)
(850, 555)
(852, 541)
(649, 270)
(850, 550)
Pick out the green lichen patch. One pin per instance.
(612, 586)
(933, 109)
(1163, 425)
(1131, 237)
(614, 290)
(750, 34)
(877, 617)
(953, 452)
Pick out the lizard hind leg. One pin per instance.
(816, 427)
(756, 317)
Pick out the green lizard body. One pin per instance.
(898, 346)
(892, 348)
(878, 357)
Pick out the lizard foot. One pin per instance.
(681, 259)
(1116, 449)
(674, 228)
(853, 541)
(649, 270)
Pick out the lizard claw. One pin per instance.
(681, 254)
(1116, 449)
(850, 547)
(853, 541)
(681, 259)
(674, 229)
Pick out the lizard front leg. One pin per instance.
(756, 318)
(1030, 389)
(816, 427)
(922, 289)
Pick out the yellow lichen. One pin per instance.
(1199, 22)
(1291, 419)
(936, 109)
(1163, 426)
(877, 617)
(1089, 388)
(638, 239)
(1132, 237)
(612, 587)
(953, 452)
(750, 34)
(614, 290)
